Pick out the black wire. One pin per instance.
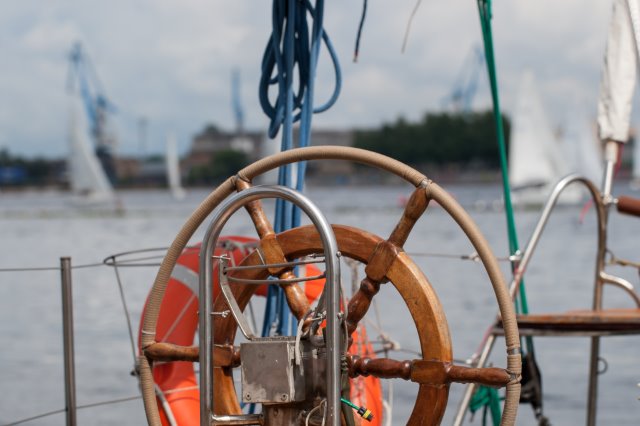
(362, 18)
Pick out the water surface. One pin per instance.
(38, 228)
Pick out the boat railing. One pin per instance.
(602, 201)
(149, 257)
(71, 405)
(601, 205)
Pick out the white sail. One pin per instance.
(269, 147)
(86, 176)
(635, 170)
(173, 168)
(635, 167)
(536, 161)
(583, 150)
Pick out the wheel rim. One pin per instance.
(409, 174)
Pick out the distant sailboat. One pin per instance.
(173, 169)
(582, 148)
(536, 161)
(87, 179)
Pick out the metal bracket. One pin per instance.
(331, 293)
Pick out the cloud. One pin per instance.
(171, 61)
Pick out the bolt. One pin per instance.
(248, 397)
(283, 397)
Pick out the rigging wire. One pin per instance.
(128, 318)
(49, 268)
(408, 29)
(79, 407)
(529, 360)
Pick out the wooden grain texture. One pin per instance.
(629, 205)
(383, 257)
(416, 206)
(606, 320)
(438, 373)
(383, 368)
(381, 260)
(223, 356)
(254, 208)
(414, 288)
(169, 352)
(430, 372)
(360, 302)
(272, 253)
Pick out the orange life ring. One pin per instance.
(176, 384)
(366, 391)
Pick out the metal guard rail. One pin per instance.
(601, 212)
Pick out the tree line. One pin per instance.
(16, 170)
(438, 139)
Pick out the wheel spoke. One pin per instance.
(407, 279)
(438, 372)
(384, 368)
(415, 207)
(223, 355)
(385, 261)
(425, 372)
(383, 257)
(360, 302)
(272, 254)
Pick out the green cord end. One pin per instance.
(363, 412)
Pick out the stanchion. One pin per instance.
(67, 342)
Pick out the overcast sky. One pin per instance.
(171, 61)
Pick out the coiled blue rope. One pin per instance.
(292, 50)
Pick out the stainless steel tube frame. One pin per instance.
(526, 258)
(611, 150)
(542, 222)
(600, 200)
(219, 218)
(471, 387)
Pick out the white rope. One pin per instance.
(297, 351)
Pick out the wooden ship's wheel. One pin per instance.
(385, 261)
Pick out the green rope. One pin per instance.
(488, 399)
(484, 8)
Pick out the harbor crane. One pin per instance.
(461, 96)
(83, 80)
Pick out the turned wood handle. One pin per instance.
(383, 368)
(360, 302)
(383, 257)
(629, 205)
(435, 373)
(415, 207)
(488, 376)
(170, 352)
(223, 356)
(272, 252)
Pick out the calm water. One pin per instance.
(38, 228)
